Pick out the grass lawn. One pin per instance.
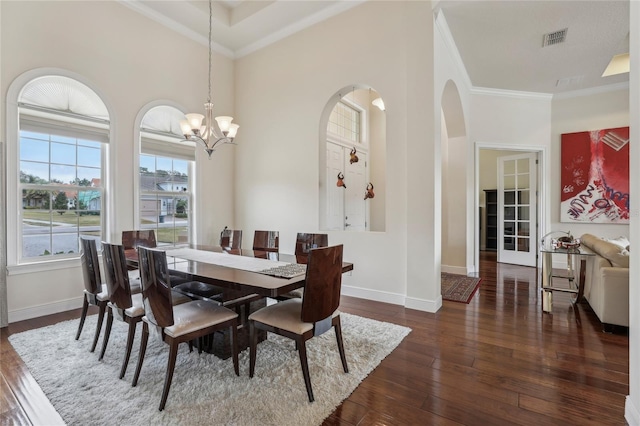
(68, 216)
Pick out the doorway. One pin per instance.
(510, 202)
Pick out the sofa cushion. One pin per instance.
(613, 252)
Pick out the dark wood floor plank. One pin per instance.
(498, 360)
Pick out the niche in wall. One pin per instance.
(352, 147)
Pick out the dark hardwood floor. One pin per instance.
(495, 361)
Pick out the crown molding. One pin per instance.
(488, 91)
(592, 91)
(450, 44)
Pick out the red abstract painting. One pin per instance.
(595, 176)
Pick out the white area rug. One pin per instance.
(205, 389)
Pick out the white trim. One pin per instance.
(424, 305)
(452, 49)
(43, 266)
(458, 270)
(376, 295)
(14, 244)
(45, 309)
(338, 8)
(593, 91)
(488, 91)
(174, 25)
(631, 412)
(544, 208)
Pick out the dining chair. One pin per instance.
(302, 319)
(266, 241)
(95, 293)
(133, 239)
(176, 324)
(231, 238)
(126, 306)
(304, 243)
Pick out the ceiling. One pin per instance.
(500, 42)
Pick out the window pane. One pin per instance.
(34, 150)
(63, 153)
(63, 174)
(34, 172)
(89, 156)
(87, 176)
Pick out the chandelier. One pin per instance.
(213, 132)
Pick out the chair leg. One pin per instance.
(253, 343)
(103, 306)
(127, 355)
(107, 333)
(343, 358)
(171, 363)
(302, 351)
(85, 307)
(233, 341)
(143, 349)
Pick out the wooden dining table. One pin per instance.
(243, 290)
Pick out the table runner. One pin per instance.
(245, 263)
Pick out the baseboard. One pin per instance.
(458, 270)
(376, 295)
(45, 309)
(431, 306)
(631, 412)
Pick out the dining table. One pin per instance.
(246, 278)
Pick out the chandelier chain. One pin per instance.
(210, 19)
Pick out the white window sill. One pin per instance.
(51, 265)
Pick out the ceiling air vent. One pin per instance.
(554, 38)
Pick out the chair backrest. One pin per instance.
(90, 265)
(156, 288)
(322, 283)
(116, 275)
(133, 239)
(266, 241)
(306, 242)
(231, 238)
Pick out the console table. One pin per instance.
(576, 283)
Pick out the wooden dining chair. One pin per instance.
(306, 242)
(95, 293)
(231, 238)
(126, 306)
(302, 319)
(135, 238)
(176, 324)
(266, 241)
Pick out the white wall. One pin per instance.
(131, 61)
(277, 167)
(632, 406)
(577, 114)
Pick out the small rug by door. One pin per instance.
(204, 390)
(459, 288)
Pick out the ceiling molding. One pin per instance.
(592, 91)
(139, 7)
(450, 44)
(302, 24)
(488, 91)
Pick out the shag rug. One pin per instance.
(205, 390)
(458, 288)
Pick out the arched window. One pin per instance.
(59, 161)
(353, 158)
(165, 177)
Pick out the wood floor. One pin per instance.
(496, 361)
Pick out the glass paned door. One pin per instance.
(517, 209)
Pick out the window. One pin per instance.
(166, 167)
(62, 193)
(56, 161)
(165, 198)
(345, 122)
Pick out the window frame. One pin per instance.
(12, 160)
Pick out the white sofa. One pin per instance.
(607, 279)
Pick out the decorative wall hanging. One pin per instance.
(594, 176)
(369, 193)
(354, 158)
(340, 181)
